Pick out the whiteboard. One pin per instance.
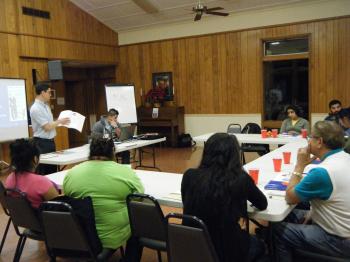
(13, 109)
(122, 98)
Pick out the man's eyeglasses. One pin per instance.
(308, 138)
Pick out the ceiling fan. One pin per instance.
(201, 9)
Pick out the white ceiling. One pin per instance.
(122, 15)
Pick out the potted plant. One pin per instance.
(155, 96)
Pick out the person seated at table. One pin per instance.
(334, 108)
(344, 117)
(326, 187)
(344, 120)
(108, 184)
(109, 127)
(294, 123)
(217, 192)
(24, 160)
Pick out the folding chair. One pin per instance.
(234, 129)
(23, 215)
(147, 222)
(189, 241)
(2, 202)
(64, 235)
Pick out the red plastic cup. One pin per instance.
(303, 133)
(286, 157)
(263, 133)
(277, 164)
(254, 173)
(274, 133)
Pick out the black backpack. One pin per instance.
(185, 140)
(251, 128)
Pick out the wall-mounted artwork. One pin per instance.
(164, 81)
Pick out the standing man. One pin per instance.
(334, 108)
(326, 187)
(109, 127)
(44, 127)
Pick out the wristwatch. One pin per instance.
(300, 175)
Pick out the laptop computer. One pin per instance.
(125, 134)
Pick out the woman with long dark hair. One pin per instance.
(217, 192)
(24, 160)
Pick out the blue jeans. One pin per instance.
(290, 236)
(256, 249)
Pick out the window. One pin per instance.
(286, 47)
(285, 82)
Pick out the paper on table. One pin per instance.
(76, 119)
(49, 155)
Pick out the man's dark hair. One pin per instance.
(101, 147)
(333, 102)
(344, 112)
(113, 112)
(22, 153)
(39, 87)
(330, 132)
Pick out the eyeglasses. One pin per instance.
(308, 138)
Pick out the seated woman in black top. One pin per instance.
(217, 192)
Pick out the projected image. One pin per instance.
(17, 103)
(13, 110)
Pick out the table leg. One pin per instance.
(153, 155)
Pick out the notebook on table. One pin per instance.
(280, 182)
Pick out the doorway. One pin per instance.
(85, 93)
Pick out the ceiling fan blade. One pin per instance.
(147, 6)
(217, 13)
(214, 9)
(198, 16)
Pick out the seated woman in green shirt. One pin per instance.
(108, 184)
(294, 123)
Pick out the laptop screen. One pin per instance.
(125, 134)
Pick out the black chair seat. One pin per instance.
(32, 234)
(3, 205)
(307, 256)
(66, 234)
(152, 243)
(147, 222)
(189, 241)
(23, 216)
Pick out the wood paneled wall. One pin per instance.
(222, 73)
(70, 34)
(67, 22)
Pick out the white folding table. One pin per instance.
(256, 139)
(165, 187)
(80, 154)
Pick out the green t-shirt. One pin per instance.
(108, 184)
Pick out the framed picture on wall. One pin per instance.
(164, 81)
